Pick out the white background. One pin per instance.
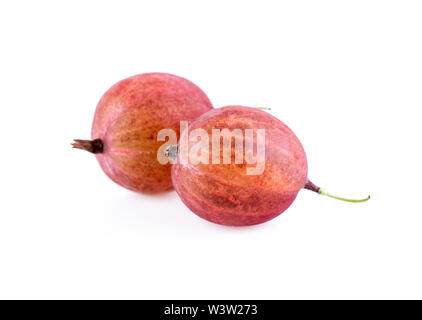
(346, 76)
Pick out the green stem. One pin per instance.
(310, 186)
(263, 108)
(342, 199)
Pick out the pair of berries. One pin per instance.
(129, 117)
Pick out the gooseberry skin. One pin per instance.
(224, 193)
(128, 118)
